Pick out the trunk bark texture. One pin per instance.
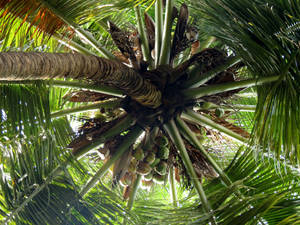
(27, 66)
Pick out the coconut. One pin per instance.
(132, 166)
(155, 162)
(143, 168)
(150, 158)
(127, 179)
(147, 183)
(138, 154)
(159, 179)
(161, 141)
(163, 153)
(161, 168)
(148, 177)
(219, 112)
(207, 105)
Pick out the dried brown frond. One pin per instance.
(230, 126)
(35, 13)
(89, 132)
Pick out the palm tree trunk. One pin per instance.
(27, 66)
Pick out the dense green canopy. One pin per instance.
(149, 112)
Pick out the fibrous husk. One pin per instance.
(90, 131)
(85, 96)
(103, 153)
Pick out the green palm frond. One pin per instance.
(48, 178)
(24, 110)
(257, 192)
(252, 29)
(27, 173)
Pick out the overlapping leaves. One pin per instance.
(266, 35)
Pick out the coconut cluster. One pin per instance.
(151, 164)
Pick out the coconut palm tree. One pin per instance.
(168, 97)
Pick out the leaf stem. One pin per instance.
(207, 43)
(48, 180)
(197, 118)
(70, 84)
(158, 29)
(200, 79)
(195, 141)
(73, 45)
(104, 104)
(166, 37)
(97, 88)
(173, 187)
(195, 93)
(134, 191)
(173, 132)
(143, 35)
(234, 107)
(118, 128)
(128, 141)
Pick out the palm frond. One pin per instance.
(258, 193)
(24, 110)
(252, 29)
(27, 176)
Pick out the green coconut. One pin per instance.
(138, 154)
(161, 168)
(163, 153)
(155, 162)
(219, 112)
(143, 168)
(161, 141)
(148, 177)
(150, 158)
(159, 179)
